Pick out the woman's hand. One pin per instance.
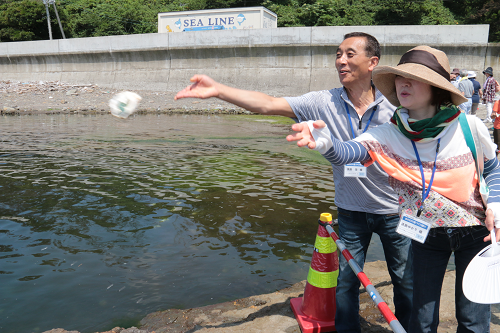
(490, 223)
(304, 136)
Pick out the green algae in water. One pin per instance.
(120, 219)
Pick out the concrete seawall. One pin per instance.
(282, 61)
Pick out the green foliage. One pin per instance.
(321, 12)
(288, 12)
(403, 12)
(110, 17)
(360, 12)
(22, 20)
(26, 19)
(478, 12)
(336, 13)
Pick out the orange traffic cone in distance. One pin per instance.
(315, 311)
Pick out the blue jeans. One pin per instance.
(466, 106)
(355, 230)
(429, 263)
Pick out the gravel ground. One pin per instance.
(56, 97)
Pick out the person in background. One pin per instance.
(467, 89)
(496, 124)
(366, 204)
(455, 77)
(430, 165)
(476, 94)
(489, 88)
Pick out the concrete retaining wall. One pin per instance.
(283, 61)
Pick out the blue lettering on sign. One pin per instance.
(212, 21)
(215, 27)
(414, 222)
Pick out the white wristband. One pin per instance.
(322, 136)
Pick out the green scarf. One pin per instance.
(426, 129)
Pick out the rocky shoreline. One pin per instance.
(18, 98)
(261, 313)
(272, 312)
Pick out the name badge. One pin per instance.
(413, 227)
(355, 170)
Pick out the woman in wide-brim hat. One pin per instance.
(430, 166)
(433, 72)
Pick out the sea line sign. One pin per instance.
(217, 19)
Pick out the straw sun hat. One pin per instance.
(422, 63)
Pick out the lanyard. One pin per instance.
(424, 192)
(350, 121)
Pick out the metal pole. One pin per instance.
(58, 20)
(48, 18)
(391, 319)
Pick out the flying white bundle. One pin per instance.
(124, 104)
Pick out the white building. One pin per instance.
(217, 19)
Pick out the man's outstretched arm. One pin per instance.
(205, 87)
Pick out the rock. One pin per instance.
(114, 330)
(272, 312)
(134, 330)
(72, 92)
(8, 110)
(60, 330)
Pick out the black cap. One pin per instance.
(488, 70)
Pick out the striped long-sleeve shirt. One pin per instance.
(454, 199)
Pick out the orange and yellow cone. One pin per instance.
(315, 311)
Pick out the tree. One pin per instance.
(23, 20)
(403, 12)
(288, 12)
(109, 17)
(26, 19)
(490, 14)
(338, 13)
(478, 12)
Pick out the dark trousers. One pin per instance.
(473, 109)
(496, 137)
(355, 230)
(429, 262)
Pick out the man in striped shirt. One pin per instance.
(366, 204)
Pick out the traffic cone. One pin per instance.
(315, 311)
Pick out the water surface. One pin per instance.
(103, 221)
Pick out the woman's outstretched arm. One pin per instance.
(316, 135)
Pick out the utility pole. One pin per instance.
(48, 18)
(58, 20)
